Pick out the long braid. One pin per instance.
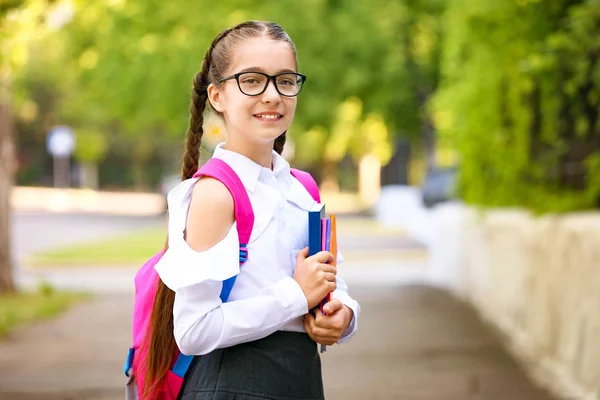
(197, 106)
(195, 130)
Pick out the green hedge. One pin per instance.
(520, 100)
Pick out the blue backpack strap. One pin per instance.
(244, 216)
(182, 365)
(129, 361)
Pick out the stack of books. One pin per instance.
(322, 236)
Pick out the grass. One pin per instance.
(133, 248)
(20, 308)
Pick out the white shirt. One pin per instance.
(265, 298)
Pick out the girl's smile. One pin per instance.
(269, 117)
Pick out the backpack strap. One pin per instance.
(244, 216)
(308, 182)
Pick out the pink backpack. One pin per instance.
(146, 283)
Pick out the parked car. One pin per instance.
(439, 186)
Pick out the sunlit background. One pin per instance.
(458, 140)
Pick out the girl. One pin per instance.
(261, 343)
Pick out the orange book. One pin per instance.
(334, 248)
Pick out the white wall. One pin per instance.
(536, 279)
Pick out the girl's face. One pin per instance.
(259, 119)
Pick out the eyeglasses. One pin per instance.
(287, 84)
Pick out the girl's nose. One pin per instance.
(271, 95)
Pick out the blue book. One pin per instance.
(315, 214)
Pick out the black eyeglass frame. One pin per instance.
(269, 78)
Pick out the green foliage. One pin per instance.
(91, 146)
(519, 99)
(519, 95)
(125, 69)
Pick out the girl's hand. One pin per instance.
(327, 329)
(315, 278)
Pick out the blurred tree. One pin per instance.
(125, 70)
(417, 32)
(381, 54)
(133, 69)
(6, 178)
(520, 99)
(7, 161)
(21, 23)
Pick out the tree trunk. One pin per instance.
(7, 168)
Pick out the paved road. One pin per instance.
(414, 342)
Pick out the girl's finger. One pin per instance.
(328, 268)
(333, 306)
(310, 319)
(329, 277)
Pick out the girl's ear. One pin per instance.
(215, 97)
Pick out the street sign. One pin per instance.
(60, 141)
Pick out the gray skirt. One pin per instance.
(282, 366)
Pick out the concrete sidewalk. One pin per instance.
(420, 343)
(414, 342)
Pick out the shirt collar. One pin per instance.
(247, 170)
(281, 168)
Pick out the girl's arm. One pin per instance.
(203, 252)
(202, 322)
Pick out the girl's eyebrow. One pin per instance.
(259, 69)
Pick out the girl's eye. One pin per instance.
(252, 79)
(286, 82)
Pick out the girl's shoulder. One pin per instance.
(205, 190)
(200, 233)
(210, 215)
